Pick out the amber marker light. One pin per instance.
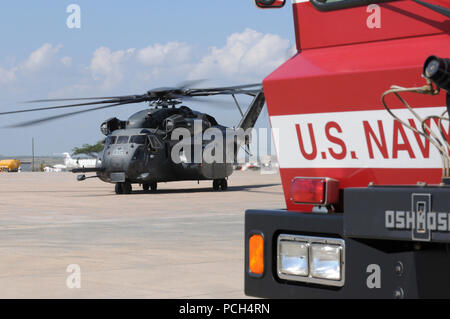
(256, 254)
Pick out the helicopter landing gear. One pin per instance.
(118, 189)
(216, 184)
(127, 188)
(123, 188)
(224, 184)
(220, 184)
(153, 186)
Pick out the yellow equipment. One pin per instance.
(10, 165)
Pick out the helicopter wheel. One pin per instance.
(118, 188)
(123, 188)
(223, 184)
(154, 186)
(146, 187)
(216, 184)
(127, 188)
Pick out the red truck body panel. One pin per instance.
(399, 19)
(325, 102)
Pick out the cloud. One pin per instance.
(245, 56)
(7, 76)
(38, 60)
(248, 54)
(161, 54)
(107, 66)
(41, 57)
(67, 61)
(49, 72)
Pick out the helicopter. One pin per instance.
(167, 141)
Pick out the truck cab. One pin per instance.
(367, 200)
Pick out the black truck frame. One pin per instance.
(396, 245)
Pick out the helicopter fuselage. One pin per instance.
(145, 155)
(171, 144)
(146, 148)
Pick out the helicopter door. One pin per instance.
(154, 152)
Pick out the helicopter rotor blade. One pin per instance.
(235, 87)
(177, 92)
(249, 89)
(181, 92)
(159, 95)
(208, 100)
(225, 88)
(115, 100)
(178, 89)
(186, 84)
(59, 116)
(81, 99)
(225, 92)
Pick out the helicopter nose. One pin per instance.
(116, 164)
(116, 159)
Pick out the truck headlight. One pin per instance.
(326, 261)
(294, 258)
(316, 260)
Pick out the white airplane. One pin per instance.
(54, 169)
(71, 163)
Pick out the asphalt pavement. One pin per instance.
(184, 241)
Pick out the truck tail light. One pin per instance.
(256, 254)
(314, 190)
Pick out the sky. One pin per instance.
(128, 47)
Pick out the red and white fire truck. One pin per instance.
(360, 124)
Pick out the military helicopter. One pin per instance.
(143, 150)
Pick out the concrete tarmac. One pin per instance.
(184, 241)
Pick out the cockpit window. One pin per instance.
(138, 139)
(122, 139)
(111, 140)
(154, 141)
